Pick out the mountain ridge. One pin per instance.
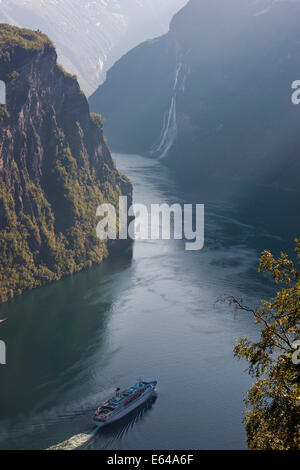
(212, 104)
(91, 36)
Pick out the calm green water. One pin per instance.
(148, 312)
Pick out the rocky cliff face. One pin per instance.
(91, 36)
(55, 168)
(213, 96)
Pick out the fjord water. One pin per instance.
(148, 312)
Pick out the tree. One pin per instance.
(272, 416)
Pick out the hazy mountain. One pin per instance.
(55, 168)
(213, 96)
(91, 36)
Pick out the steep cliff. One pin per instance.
(213, 96)
(55, 168)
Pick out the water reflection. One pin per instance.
(149, 313)
(54, 338)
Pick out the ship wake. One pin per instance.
(76, 442)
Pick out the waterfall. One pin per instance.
(169, 130)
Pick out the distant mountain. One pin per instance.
(213, 96)
(91, 36)
(55, 168)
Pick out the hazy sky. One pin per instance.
(91, 36)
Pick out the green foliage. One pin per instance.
(53, 234)
(66, 74)
(13, 39)
(33, 251)
(56, 172)
(98, 120)
(273, 403)
(4, 114)
(13, 75)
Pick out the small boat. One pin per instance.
(124, 402)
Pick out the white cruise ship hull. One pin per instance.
(124, 410)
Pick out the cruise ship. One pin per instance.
(124, 402)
